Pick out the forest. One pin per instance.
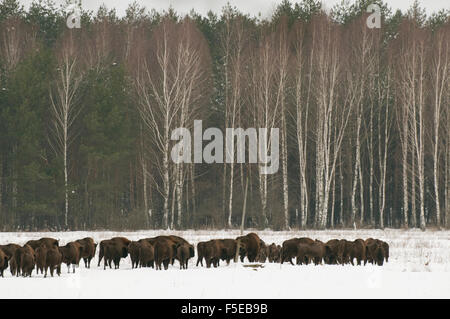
(86, 116)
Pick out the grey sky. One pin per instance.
(265, 7)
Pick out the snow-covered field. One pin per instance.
(419, 267)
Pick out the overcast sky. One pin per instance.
(265, 7)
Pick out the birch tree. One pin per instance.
(171, 86)
(360, 67)
(385, 116)
(330, 110)
(283, 58)
(233, 40)
(65, 107)
(302, 81)
(412, 70)
(265, 103)
(439, 75)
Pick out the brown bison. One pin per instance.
(121, 244)
(24, 258)
(9, 249)
(183, 255)
(180, 241)
(41, 257)
(133, 250)
(228, 249)
(146, 254)
(331, 251)
(165, 251)
(200, 252)
(274, 253)
(212, 252)
(71, 254)
(48, 242)
(376, 251)
(343, 254)
(358, 251)
(88, 251)
(249, 246)
(173, 240)
(3, 262)
(13, 267)
(290, 247)
(310, 252)
(53, 261)
(263, 252)
(385, 246)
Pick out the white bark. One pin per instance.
(65, 112)
(440, 76)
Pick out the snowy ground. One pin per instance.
(419, 267)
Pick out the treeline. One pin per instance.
(86, 116)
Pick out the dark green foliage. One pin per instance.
(105, 168)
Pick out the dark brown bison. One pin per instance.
(249, 246)
(88, 251)
(3, 262)
(274, 253)
(9, 249)
(121, 243)
(71, 254)
(376, 251)
(174, 240)
(46, 241)
(183, 255)
(331, 251)
(41, 257)
(25, 260)
(263, 252)
(290, 247)
(114, 251)
(385, 246)
(344, 248)
(146, 254)
(111, 254)
(13, 267)
(215, 250)
(358, 251)
(133, 250)
(53, 261)
(180, 241)
(165, 251)
(200, 253)
(228, 249)
(310, 252)
(212, 252)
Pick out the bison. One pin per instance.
(41, 257)
(249, 246)
(71, 254)
(290, 247)
(165, 251)
(53, 261)
(88, 251)
(183, 255)
(24, 259)
(146, 254)
(9, 249)
(120, 242)
(3, 262)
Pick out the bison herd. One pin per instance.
(157, 252)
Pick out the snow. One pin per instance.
(418, 267)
